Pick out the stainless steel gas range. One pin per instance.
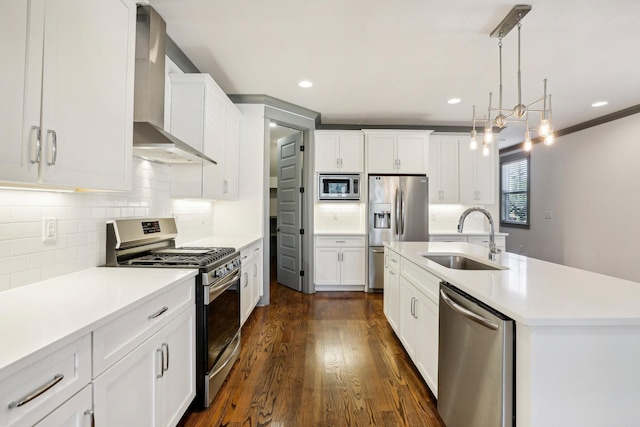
(150, 242)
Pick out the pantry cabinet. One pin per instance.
(203, 116)
(339, 151)
(66, 111)
(340, 262)
(443, 169)
(477, 181)
(396, 151)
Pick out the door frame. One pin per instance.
(306, 125)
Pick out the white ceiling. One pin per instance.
(397, 62)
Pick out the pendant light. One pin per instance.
(520, 113)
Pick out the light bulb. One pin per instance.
(473, 143)
(544, 127)
(488, 135)
(527, 143)
(549, 139)
(485, 150)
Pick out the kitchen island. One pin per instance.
(577, 333)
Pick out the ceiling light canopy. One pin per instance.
(305, 84)
(519, 113)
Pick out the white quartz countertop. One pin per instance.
(54, 312)
(237, 242)
(534, 292)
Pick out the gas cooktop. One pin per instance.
(182, 257)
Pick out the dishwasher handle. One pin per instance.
(467, 313)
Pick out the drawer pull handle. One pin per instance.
(341, 241)
(56, 379)
(158, 313)
(90, 413)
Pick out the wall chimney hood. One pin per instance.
(150, 140)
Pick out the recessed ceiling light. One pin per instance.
(272, 124)
(454, 101)
(305, 84)
(599, 104)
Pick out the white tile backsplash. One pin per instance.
(444, 218)
(81, 222)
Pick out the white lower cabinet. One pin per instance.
(75, 412)
(154, 384)
(340, 260)
(416, 319)
(35, 391)
(251, 279)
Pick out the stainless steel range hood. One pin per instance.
(150, 140)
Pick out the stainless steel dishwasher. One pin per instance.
(476, 362)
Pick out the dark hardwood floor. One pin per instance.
(328, 359)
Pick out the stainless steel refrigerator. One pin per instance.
(398, 210)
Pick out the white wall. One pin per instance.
(590, 181)
(81, 220)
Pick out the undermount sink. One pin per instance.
(459, 262)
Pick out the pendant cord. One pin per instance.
(519, 72)
(500, 54)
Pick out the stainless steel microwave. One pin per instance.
(338, 187)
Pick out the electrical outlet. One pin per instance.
(49, 229)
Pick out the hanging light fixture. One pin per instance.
(520, 112)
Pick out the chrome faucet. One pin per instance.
(493, 251)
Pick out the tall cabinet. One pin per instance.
(443, 169)
(477, 181)
(203, 116)
(66, 110)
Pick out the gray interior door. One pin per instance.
(289, 252)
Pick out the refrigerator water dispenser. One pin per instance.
(382, 215)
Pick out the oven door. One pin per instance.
(221, 334)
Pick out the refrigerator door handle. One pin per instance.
(402, 218)
(397, 218)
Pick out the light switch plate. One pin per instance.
(49, 229)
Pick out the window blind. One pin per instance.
(515, 192)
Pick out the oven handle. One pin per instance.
(226, 362)
(214, 291)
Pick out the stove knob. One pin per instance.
(230, 266)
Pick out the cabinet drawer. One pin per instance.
(447, 238)
(249, 253)
(339, 241)
(393, 261)
(484, 240)
(423, 280)
(117, 338)
(60, 374)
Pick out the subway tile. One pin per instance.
(55, 270)
(5, 282)
(65, 255)
(5, 214)
(77, 212)
(13, 197)
(27, 277)
(86, 225)
(14, 231)
(68, 226)
(58, 212)
(25, 214)
(97, 213)
(12, 264)
(26, 246)
(77, 239)
(40, 259)
(78, 265)
(112, 213)
(5, 249)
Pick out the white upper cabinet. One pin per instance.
(66, 113)
(203, 116)
(339, 151)
(477, 182)
(443, 169)
(396, 151)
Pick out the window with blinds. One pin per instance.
(514, 191)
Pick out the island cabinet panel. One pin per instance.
(391, 301)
